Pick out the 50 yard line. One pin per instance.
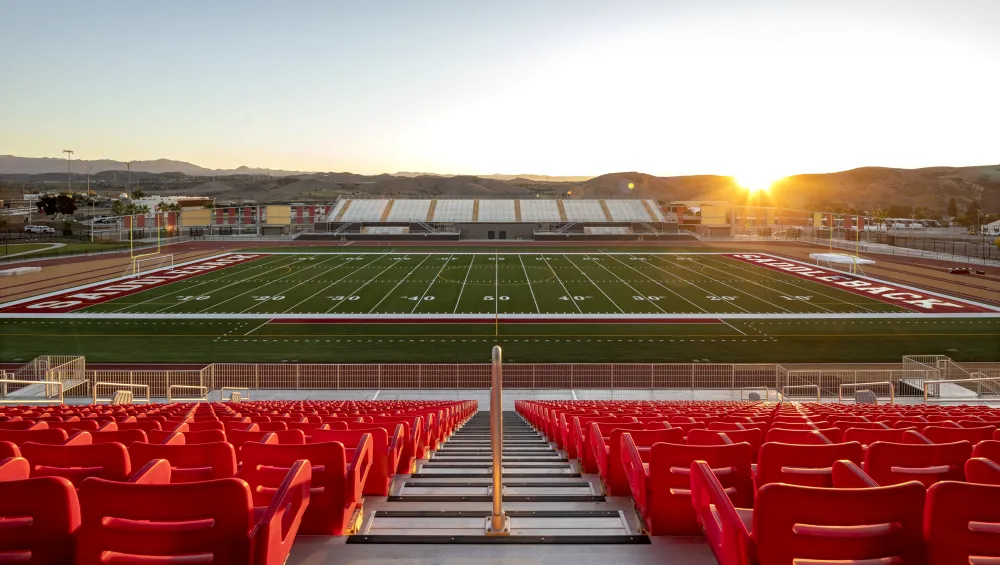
(528, 280)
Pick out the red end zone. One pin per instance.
(911, 299)
(79, 298)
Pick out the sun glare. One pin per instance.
(755, 182)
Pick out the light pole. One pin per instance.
(69, 169)
(128, 181)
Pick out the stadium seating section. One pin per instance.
(789, 483)
(200, 483)
(763, 482)
(495, 210)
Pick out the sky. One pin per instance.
(752, 88)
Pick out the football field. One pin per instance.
(476, 285)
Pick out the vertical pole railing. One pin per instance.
(498, 523)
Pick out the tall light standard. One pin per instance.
(128, 182)
(69, 169)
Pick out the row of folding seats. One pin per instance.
(649, 452)
(215, 488)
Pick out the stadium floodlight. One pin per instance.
(69, 169)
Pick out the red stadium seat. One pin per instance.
(661, 488)
(796, 524)
(951, 435)
(962, 524)
(803, 465)
(804, 437)
(196, 522)
(989, 449)
(600, 436)
(77, 462)
(893, 463)
(189, 463)
(144, 425)
(868, 436)
(204, 436)
(124, 437)
(238, 438)
(982, 470)
(20, 437)
(579, 439)
(339, 474)
(38, 517)
(78, 425)
(616, 481)
(385, 453)
(753, 436)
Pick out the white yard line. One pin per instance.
(266, 322)
(285, 291)
(679, 278)
(434, 280)
(668, 289)
(528, 279)
(257, 289)
(767, 275)
(595, 285)
(732, 326)
(339, 302)
(496, 284)
(566, 290)
(401, 281)
(737, 289)
(208, 280)
(322, 290)
(461, 290)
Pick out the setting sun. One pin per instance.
(755, 181)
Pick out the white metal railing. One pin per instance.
(745, 392)
(963, 383)
(890, 385)
(202, 397)
(784, 393)
(97, 399)
(21, 400)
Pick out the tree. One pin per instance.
(47, 205)
(952, 208)
(117, 208)
(973, 208)
(138, 193)
(65, 204)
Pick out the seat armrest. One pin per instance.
(599, 448)
(395, 447)
(634, 470)
(726, 532)
(914, 437)
(273, 535)
(14, 469)
(156, 472)
(358, 468)
(846, 474)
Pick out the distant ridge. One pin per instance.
(12, 165)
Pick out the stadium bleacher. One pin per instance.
(236, 482)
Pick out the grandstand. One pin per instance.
(454, 463)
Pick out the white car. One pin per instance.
(45, 230)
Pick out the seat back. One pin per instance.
(124, 437)
(988, 449)
(198, 522)
(803, 465)
(189, 463)
(20, 437)
(380, 439)
(80, 425)
(8, 449)
(893, 463)
(145, 425)
(868, 436)
(77, 462)
(983, 471)
(962, 521)
(39, 517)
(803, 436)
(941, 434)
(204, 436)
(670, 509)
(753, 436)
(798, 524)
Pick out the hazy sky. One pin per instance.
(743, 87)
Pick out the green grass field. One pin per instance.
(494, 283)
(453, 306)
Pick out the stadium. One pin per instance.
(480, 378)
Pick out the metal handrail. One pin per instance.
(171, 399)
(498, 523)
(892, 389)
(957, 381)
(120, 386)
(5, 382)
(784, 388)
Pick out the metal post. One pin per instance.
(498, 523)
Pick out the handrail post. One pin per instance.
(498, 523)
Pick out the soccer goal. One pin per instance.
(140, 265)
